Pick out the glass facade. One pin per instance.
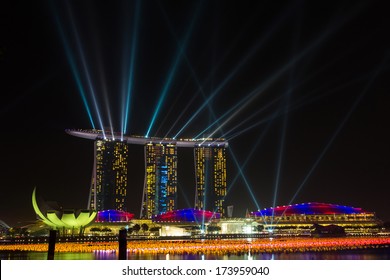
(109, 178)
(160, 187)
(110, 173)
(210, 173)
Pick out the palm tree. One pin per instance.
(144, 227)
(95, 229)
(136, 228)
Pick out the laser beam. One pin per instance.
(172, 73)
(126, 113)
(86, 70)
(274, 77)
(242, 62)
(339, 128)
(72, 63)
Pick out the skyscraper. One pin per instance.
(210, 173)
(160, 187)
(109, 177)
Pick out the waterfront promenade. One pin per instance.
(265, 245)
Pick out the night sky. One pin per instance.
(303, 88)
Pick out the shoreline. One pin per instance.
(218, 247)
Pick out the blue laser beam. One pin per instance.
(262, 121)
(297, 105)
(339, 128)
(262, 87)
(238, 165)
(194, 76)
(172, 72)
(297, 58)
(285, 104)
(248, 101)
(224, 135)
(125, 117)
(262, 109)
(182, 112)
(248, 157)
(230, 76)
(281, 150)
(104, 90)
(86, 70)
(207, 103)
(106, 100)
(74, 70)
(254, 147)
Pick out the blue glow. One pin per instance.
(162, 189)
(248, 100)
(86, 71)
(337, 131)
(243, 165)
(254, 93)
(106, 102)
(243, 61)
(221, 117)
(311, 208)
(75, 72)
(281, 146)
(114, 216)
(278, 73)
(194, 76)
(125, 118)
(244, 178)
(254, 147)
(182, 112)
(186, 215)
(171, 74)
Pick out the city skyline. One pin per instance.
(298, 89)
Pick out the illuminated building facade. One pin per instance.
(160, 187)
(210, 173)
(113, 216)
(109, 177)
(68, 221)
(298, 218)
(187, 215)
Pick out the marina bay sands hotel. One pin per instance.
(110, 171)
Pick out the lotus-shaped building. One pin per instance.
(63, 219)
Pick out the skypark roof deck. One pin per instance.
(141, 140)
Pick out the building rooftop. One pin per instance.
(93, 134)
(187, 215)
(310, 208)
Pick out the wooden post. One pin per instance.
(52, 244)
(122, 244)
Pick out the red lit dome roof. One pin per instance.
(311, 208)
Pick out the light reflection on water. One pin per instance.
(369, 254)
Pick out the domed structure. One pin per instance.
(310, 208)
(300, 218)
(63, 219)
(109, 216)
(187, 215)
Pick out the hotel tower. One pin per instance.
(210, 176)
(110, 172)
(109, 176)
(160, 187)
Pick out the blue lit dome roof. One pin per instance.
(186, 215)
(310, 208)
(114, 216)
